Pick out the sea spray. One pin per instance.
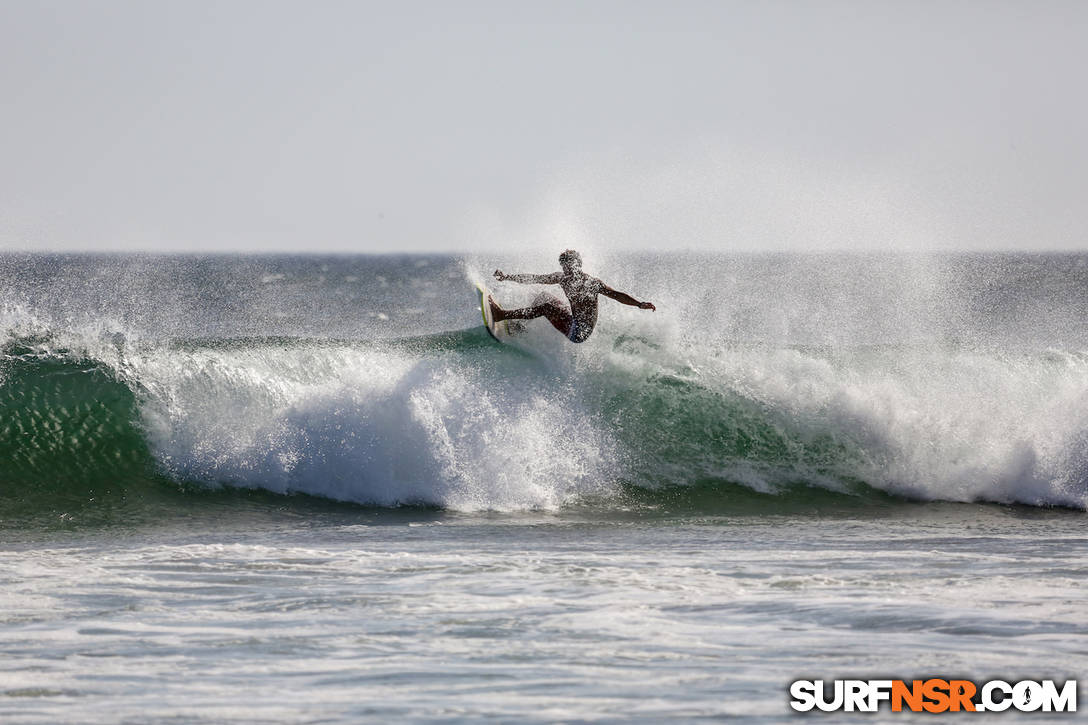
(467, 431)
(800, 384)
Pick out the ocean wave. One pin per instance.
(454, 421)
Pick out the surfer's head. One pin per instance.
(570, 261)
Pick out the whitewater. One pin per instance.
(317, 489)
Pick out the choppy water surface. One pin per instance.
(303, 489)
(434, 616)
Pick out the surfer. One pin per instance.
(578, 322)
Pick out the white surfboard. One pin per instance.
(502, 330)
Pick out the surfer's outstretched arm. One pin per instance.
(553, 278)
(624, 298)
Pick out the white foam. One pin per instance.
(944, 425)
(368, 426)
(486, 429)
(930, 420)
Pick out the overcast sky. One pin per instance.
(449, 126)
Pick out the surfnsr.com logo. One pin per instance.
(933, 695)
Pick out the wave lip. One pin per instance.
(388, 425)
(455, 422)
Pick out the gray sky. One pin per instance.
(448, 126)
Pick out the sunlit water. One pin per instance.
(272, 490)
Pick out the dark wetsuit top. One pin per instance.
(581, 291)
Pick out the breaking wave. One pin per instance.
(455, 421)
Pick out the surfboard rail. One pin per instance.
(485, 310)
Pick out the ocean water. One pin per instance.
(286, 489)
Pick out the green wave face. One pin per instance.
(680, 428)
(69, 437)
(457, 421)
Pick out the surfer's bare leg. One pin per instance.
(544, 305)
